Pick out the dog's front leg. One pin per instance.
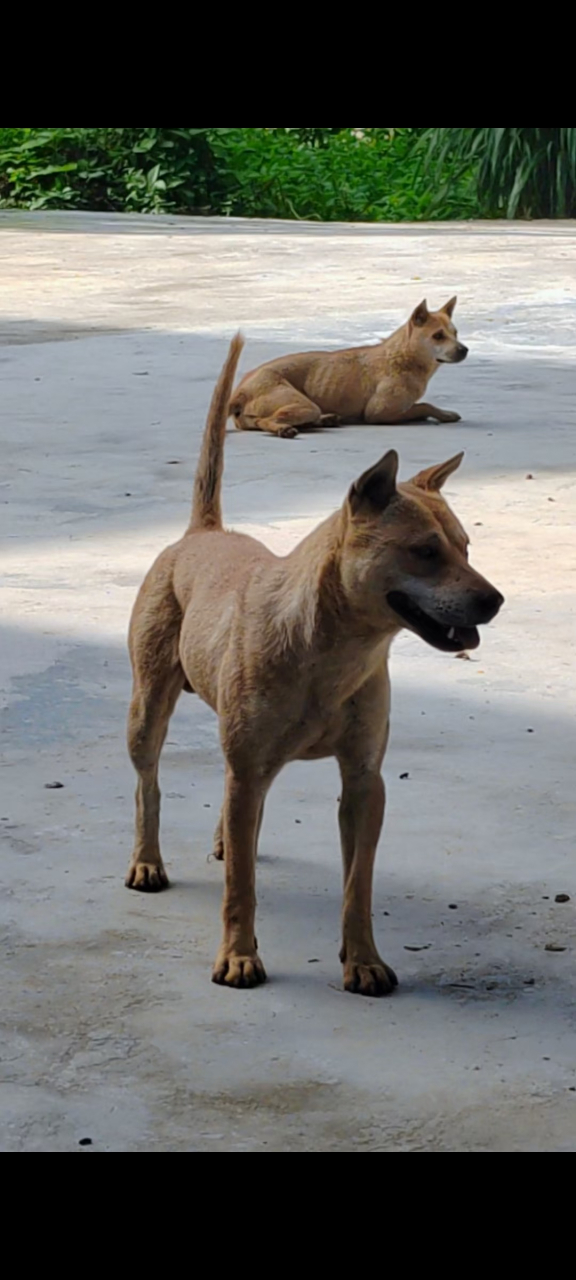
(421, 412)
(218, 851)
(389, 407)
(361, 819)
(238, 963)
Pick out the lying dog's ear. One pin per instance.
(421, 315)
(434, 479)
(450, 307)
(377, 487)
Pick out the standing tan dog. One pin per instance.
(292, 653)
(379, 385)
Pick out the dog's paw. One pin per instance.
(448, 416)
(330, 420)
(218, 849)
(240, 972)
(288, 433)
(369, 979)
(147, 877)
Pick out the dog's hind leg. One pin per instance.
(281, 411)
(285, 423)
(218, 843)
(158, 682)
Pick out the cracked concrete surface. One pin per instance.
(111, 333)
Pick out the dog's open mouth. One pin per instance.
(448, 639)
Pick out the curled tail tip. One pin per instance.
(236, 348)
(206, 509)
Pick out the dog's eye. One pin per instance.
(426, 552)
(439, 337)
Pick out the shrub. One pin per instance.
(325, 174)
(144, 170)
(360, 176)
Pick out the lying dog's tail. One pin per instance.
(207, 509)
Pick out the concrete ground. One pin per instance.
(111, 334)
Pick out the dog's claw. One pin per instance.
(240, 972)
(147, 877)
(370, 979)
(288, 433)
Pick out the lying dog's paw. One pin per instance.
(369, 979)
(240, 972)
(448, 416)
(330, 420)
(147, 877)
(288, 433)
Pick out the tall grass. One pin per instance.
(520, 173)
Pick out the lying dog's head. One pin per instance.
(405, 559)
(434, 335)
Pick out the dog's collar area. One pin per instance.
(444, 636)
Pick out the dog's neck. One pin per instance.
(404, 347)
(313, 613)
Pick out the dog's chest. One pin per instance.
(323, 725)
(325, 743)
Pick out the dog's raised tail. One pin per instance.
(207, 507)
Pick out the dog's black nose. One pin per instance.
(463, 352)
(490, 604)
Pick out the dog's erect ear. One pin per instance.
(421, 315)
(434, 479)
(450, 307)
(377, 487)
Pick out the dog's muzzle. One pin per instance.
(460, 353)
(451, 635)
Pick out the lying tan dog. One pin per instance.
(292, 653)
(380, 384)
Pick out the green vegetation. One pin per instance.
(369, 175)
(519, 173)
(138, 170)
(325, 174)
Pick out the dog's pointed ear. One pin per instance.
(434, 479)
(421, 315)
(450, 308)
(377, 487)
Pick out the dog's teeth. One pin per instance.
(452, 633)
